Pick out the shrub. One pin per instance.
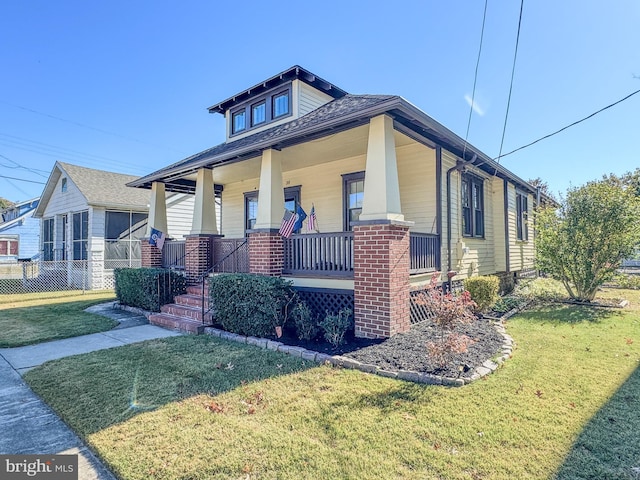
(541, 290)
(506, 304)
(631, 282)
(335, 326)
(251, 304)
(450, 345)
(305, 322)
(483, 290)
(148, 288)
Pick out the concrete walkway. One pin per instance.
(29, 426)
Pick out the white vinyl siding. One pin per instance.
(309, 98)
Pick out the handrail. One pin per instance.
(211, 269)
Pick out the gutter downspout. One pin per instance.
(458, 166)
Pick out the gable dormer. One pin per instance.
(279, 99)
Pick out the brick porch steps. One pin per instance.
(173, 322)
(185, 314)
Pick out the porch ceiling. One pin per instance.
(346, 144)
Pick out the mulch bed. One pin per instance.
(408, 351)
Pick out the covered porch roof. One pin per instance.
(343, 114)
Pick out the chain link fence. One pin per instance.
(59, 275)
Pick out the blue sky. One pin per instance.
(124, 86)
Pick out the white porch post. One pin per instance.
(157, 209)
(204, 212)
(381, 189)
(271, 194)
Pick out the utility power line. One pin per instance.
(83, 125)
(513, 71)
(570, 125)
(475, 78)
(22, 179)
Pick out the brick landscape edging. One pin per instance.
(486, 368)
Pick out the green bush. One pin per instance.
(305, 322)
(335, 326)
(483, 290)
(251, 304)
(631, 282)
(148, 288)
(541, 290)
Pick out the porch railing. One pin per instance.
(329, 254)
(424, 250)
(231, 255)
(173, 254)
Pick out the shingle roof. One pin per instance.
(334, 110)
(103, 188)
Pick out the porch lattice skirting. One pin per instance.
(323, 300)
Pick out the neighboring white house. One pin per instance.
(19, 232)
(91, 220)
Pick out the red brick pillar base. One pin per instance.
(198, 256)
(266, 253)
(151, 257)
(381, 279)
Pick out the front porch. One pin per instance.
(377, 195)
(317, 255)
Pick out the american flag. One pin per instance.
(312, 224)
(288, 222)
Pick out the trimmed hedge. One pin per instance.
(148, 288)
(483, 290)
(249, 304)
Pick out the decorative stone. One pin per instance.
(409, 376)
(271, 345)
(482, 371)
(309, 355)
(252, 340)
(323, 358)
(214, 332)
(368, 368)
(490, 365)
(387, 373)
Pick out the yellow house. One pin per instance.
(396, 197)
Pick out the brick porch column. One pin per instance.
(266, 252)
(151, 257)
(198, 255)
(381, 278)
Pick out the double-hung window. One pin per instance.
(47, 239)
(522, 216)
(472, 206)
(80, 235)
(353, 196)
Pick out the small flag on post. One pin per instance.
(157, 238)
(312, 223)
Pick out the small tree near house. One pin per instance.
(448, 311)
(583, 242)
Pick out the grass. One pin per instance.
(564, 406)
(33, 318)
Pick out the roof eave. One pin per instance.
(289, 74)
(293, 138)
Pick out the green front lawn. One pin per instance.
(34, 318)
(197, 407)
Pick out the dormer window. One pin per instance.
(239, 121)
(261, 110)
(280, 104)
(258, 113)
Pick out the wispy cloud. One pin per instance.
(474, 105)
